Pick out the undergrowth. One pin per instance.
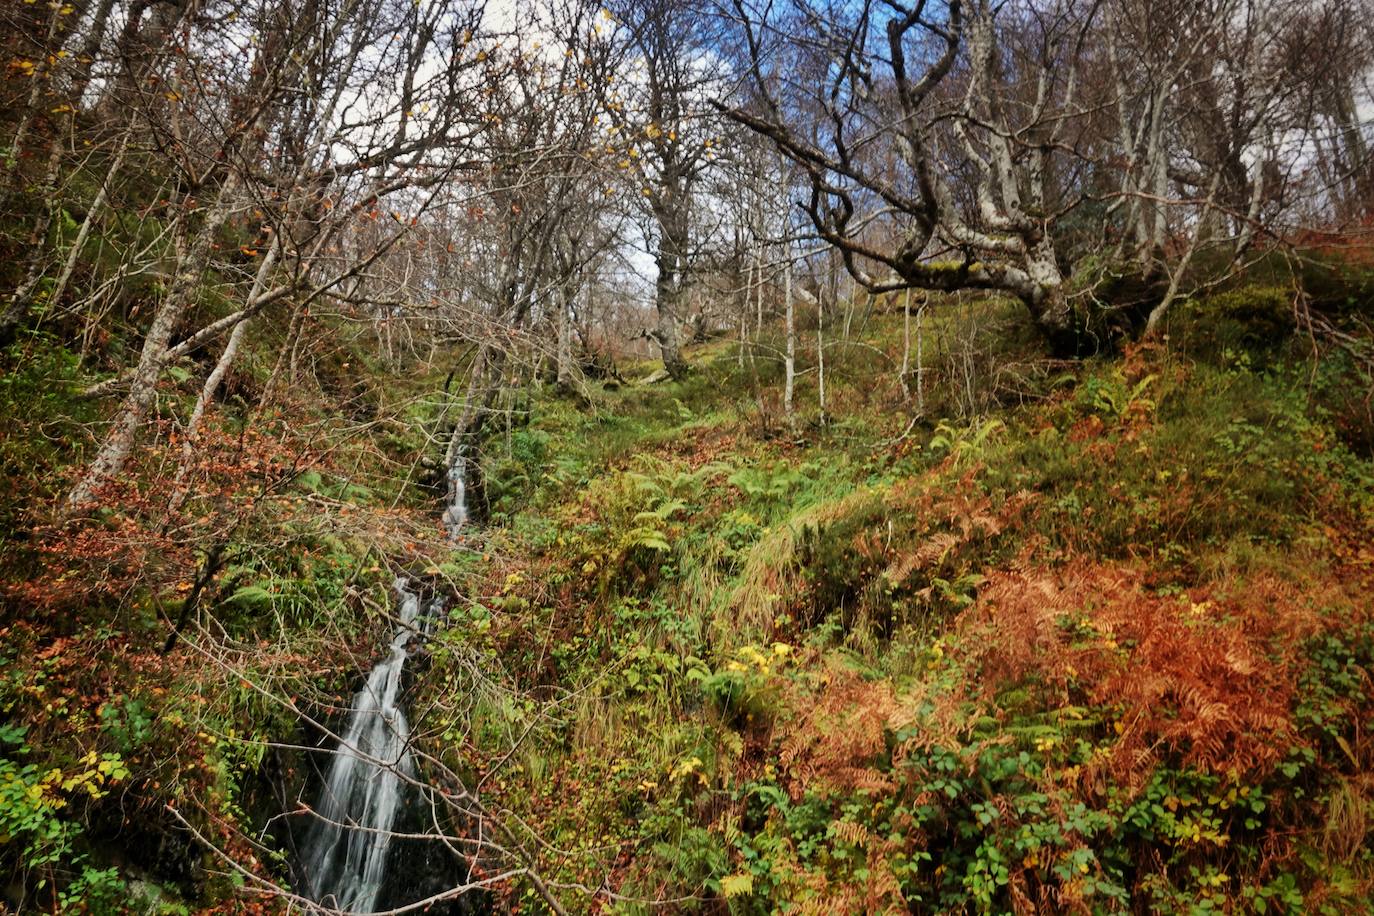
(1087, 637)
(1103, 651)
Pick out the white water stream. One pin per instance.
(456, 513)
(344, 859)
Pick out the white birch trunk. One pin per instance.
(820, 356)
(92, 213)
(789, 361)
(906, 345)
(212, 382)
(191, 255)
(565, 368)
(920, 367)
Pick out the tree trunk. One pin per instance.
(1050, 308)
(88, 52)
(758, 295)
(191, 256)
(669, 285)
(23, 297)
(668, 295)
(920, 368)
(41, 79)
(820, 353)
(789, 360)
(478, 397)
(744, 313)
(906, 345)
(1175, 282)
(565, 361)
(212, 382)
(92, 214)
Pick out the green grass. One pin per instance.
(703, 583)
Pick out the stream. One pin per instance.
(343, 863)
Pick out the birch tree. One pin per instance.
(230, 116)
(1042, 150)
(666, 131)
(919, 81)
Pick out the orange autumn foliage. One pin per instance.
(836, 737)
(1206, 676)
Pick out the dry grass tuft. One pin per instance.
(772, 572)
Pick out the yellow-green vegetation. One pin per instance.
(276, 572)
(632, 456)
(1089, 636)
(1106, 648)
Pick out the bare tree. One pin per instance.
(371, 147)
(1012, 147)
(925, 87)
(665, 133)
(539, 221)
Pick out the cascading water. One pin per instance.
(456, 513)
(344, 861)
(345, 856)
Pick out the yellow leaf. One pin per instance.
(736, 885)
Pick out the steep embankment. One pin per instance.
(1106, 647)
(273, 558)
(1103, 643)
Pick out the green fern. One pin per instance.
(970, 442)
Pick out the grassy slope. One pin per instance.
(1105, 649)
(1107, 641)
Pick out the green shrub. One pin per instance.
(1255, 318)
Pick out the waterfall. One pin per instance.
(344, 860)
(456, 512)
(345, 854)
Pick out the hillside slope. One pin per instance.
(1103, 644)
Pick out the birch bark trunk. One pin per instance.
(565, 366)
(789, 361)
(192, 249)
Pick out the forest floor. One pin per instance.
(1107, 645)
(1077, 636)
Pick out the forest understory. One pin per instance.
(1105, 646)
(796, 457)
